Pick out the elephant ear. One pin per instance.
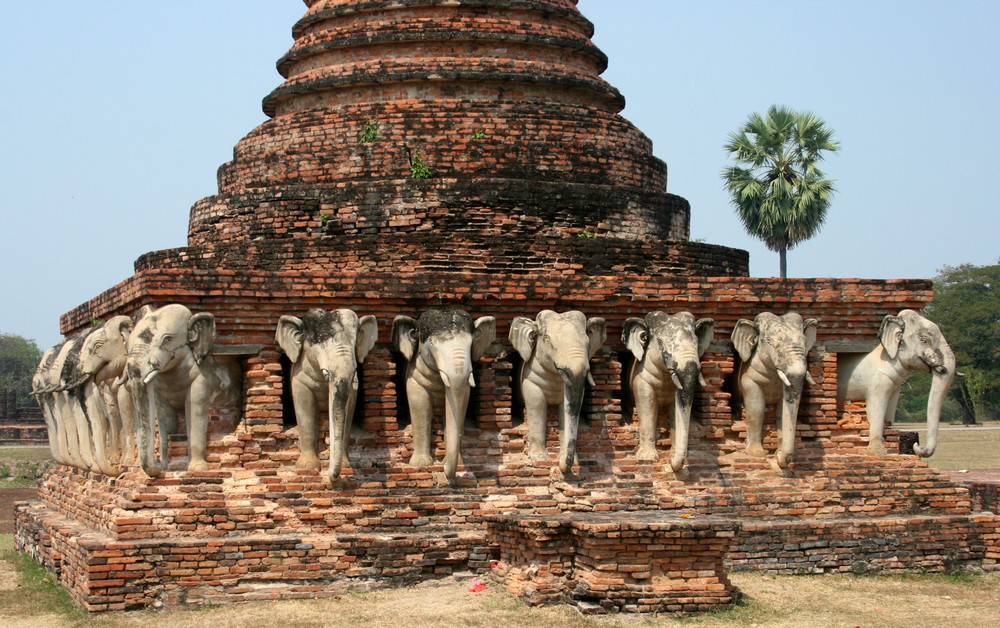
(483, 336)
(597, 333)
(809, 329)
(289, 336)
(367, 335)
(201, 335)
(635, 335)
(523, 335)
(890, 334)
(404, 336)
(704, 330)
(744, 338)
(124, 328)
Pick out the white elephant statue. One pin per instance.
(73, 385)
(556, 349)
(773, 352)
(325, 348)
(907, 342)
(667, 369)
(440, 349)
(170, 371)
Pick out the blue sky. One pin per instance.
(116, 114)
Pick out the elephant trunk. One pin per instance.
(942, 377)
(793, 377)
(340, 408)
(684, 379)
(145, 416)
(456, 404)
(570, 410)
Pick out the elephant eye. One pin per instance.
(166, 340)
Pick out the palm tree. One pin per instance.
(779, 192)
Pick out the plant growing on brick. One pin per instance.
(418, 167)
(370, 133)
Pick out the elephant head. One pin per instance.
(104, 354)
(440, 349)
(667, 352)
(556, 349)
(773, 350)
(325, 348)
(170, 371)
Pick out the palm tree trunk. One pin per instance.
(783, 256)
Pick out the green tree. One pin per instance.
(777, 188)
(18, 359)
(967, 309)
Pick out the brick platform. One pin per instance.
(635, 562)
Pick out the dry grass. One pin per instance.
(800, 601)
(961, 447)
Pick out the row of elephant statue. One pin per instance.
(105, 392)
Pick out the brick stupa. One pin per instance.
(540, 195)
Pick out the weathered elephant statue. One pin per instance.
(45, 387)
(440, 348)
(907, 342)
(70, 384)
(325, 348)
(102, 363)
(170, 371)
(556, 349)
(667, 351)
(773, 352)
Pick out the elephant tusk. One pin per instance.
(152, 375)
(784, 378)
(472, 381)
(590, 379)
(676, 379)
(445, 379)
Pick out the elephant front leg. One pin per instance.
(197, 433)
(306, 411)
(877, 409)
(754, 406)
(421, 418)
(646, 408)
(536, 410)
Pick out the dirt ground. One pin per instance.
(8, 497)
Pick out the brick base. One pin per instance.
(636, 562)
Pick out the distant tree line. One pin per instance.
(18, 359)
(967, 309)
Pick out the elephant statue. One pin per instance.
(907, 342)
(64, 415)
(667, 351)
(556, 349)
(99, 372)
(170, 371)
(440, 348)
(773, 352)
(43, 387)
(325, 348)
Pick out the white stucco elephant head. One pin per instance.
(907, 342)
(440, 349)
(773, 351)
(169, 372)
(325, 348)
(556, 349)
(667, 369)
